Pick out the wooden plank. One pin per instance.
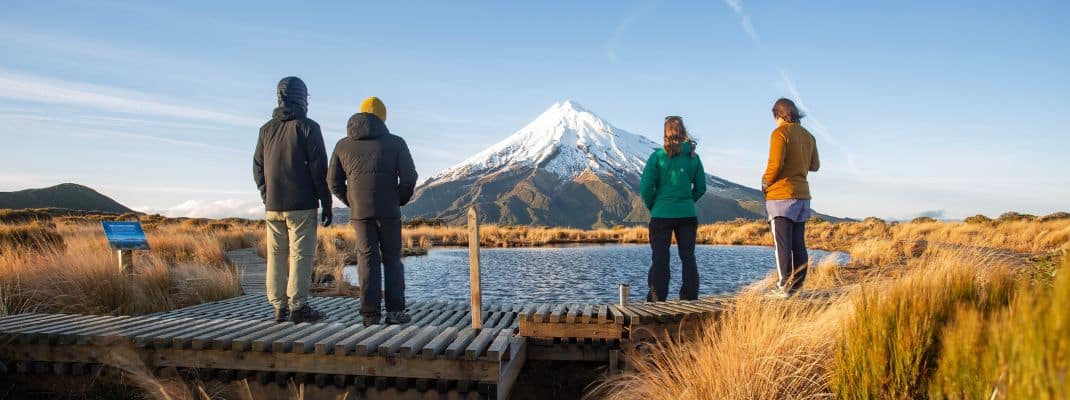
(43, 323)
(370, 344)
(288, 363)
(263, 342)
(438, 344)
(286, 342)
(42, 332)
(411, 348)
(500, 346)
(221, 339)
(241, 341)
(164, 338)
(542, 330)
(186, 339)
(540, 313)
(603, 313)
(19, 320)
(528, 310)
(479, 344)
(589, 313)
(557, 314)
(509, 373)
(325, 345)
(306, 344)
(622, 315)
(85, 336)
(68, 335)
(393, 344)
(573, 313)
(348, 345)
(456, 348)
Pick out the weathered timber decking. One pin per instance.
(438, 352)
(251, 269)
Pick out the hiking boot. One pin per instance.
(397, 317)
(778, 294)
(282, 314)
(305, 314)
(371, 319)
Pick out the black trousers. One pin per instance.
(661, 233)
(789, 241)
(379, 245)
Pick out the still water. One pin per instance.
(581, 274)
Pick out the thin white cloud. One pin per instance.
(211, 209)
(30, 88)
(744, 19)
(623, 26)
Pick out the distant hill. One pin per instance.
(67, 195)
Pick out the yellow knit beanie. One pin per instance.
(375, 106)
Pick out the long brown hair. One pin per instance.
(786, 110)
(675, 135)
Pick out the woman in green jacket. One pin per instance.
(673, 180)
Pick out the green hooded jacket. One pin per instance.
(671, 186)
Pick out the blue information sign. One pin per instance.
(125, 235)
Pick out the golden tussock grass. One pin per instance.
(941, 323)
(79, 273)
(1023, 236)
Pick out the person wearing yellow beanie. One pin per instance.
(375, 106)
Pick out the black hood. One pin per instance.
(365, 126)
(293, 99)
(286, 113)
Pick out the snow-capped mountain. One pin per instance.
(568, 167)
(565, 140)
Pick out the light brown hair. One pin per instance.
(675, 135)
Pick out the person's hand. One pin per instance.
(764, 186)
(327, 217)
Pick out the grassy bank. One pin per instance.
(61, 262)
(947, 322)
(1022, 235)
(66, 266)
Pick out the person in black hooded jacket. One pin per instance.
(290, 170)
(373, 172)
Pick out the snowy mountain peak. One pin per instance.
(565, 140)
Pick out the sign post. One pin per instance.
(124, 238)
(473, 268)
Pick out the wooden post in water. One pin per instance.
(126, 261)
(473, 268)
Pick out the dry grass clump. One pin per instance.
(759, 349)
(31, 236)
(78, 272)
(891, 346)
(1020, 352)
(23, 216)
(943, 323)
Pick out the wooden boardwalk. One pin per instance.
(437, 354)
(251, 269)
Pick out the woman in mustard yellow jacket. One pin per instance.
(792, 154)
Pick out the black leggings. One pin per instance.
(661, 233)
(789, 241)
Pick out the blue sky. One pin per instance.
(948, 109)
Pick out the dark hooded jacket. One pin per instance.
(290, 163)
(372, 170)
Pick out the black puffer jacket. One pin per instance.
(371, 169)
(290, 163)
